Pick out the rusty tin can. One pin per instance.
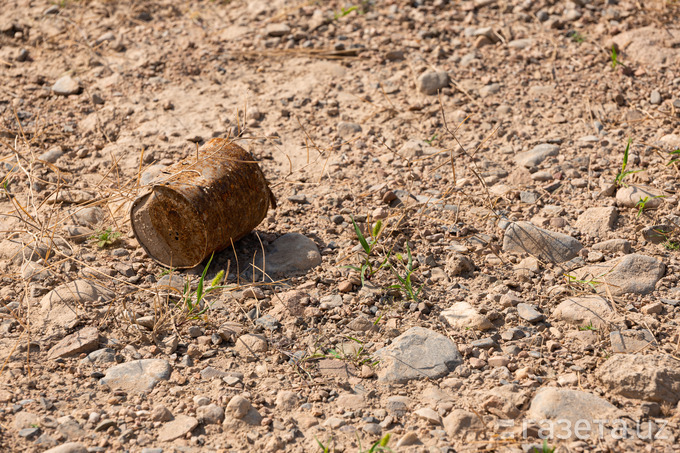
(201, 204)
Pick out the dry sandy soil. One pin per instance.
(485, 135)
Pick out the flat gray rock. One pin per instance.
(561, 405)
(138, 375)
(631, 341)
(632, 273)
(416, 354)
(527, 238)
(597, 222)
(66, 86)
(630, 196)
(179, 427)
(462, 315)
(60, 307)
(416, 148)
(643, 377)
(536, 155)
(85, 340)
(69, 447)
(585, 311)
(348, 130)
(431, 82)
(290, 254)
(529, 313)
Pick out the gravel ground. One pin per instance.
(510, 164)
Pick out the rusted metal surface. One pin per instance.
(201, 204)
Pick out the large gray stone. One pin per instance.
(291, 253)
(631, 341)
(66, 86)
(630, 196)
(597, 222)
(85, 340)
(179, 427)
(416, 354)
(431, 82)
(69, 447)
(536, 155)
(585, 311)
(643, 377)
(632, 273)
(61, 306)
(138, 375)
(462, 315)
(525, 237)
(562, 405)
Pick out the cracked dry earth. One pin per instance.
(486, 135)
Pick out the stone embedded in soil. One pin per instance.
(348, 130)
(66, 86)
(138, 375)
(630, 196)
(529, 313)
(462, 315)
(429, 415)
(525, 237)
(416, 354)
(69, 447)
(657, 234)
(431, 82)
(52, 154)
(613, 246)
(458, 264)
(463, 424)
(179, 427)
(632, 273)
(536, 155)
(290, 254)
(212, 414)
(85, 340)
(597, 222)
(562, 405)
(250, 344)
(414, 148)
(277, 30)
(631, 341)
(60, 306)
(584, 311)
(238, 406)
(551, 403)
(644, 377)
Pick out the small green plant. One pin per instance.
(432, 139)
(675, 157)
(356, 357)
(105, 237)
(193, 299)
(345, 11)
(165, 272)
(588, 326)
(405, 285)
(324, 448)
(379, 445)
(368, 269)
(623, 173)
(642, 203)
(614, 56)
(545, 448)
(572, 280)
(577, 37)
(671, 245)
